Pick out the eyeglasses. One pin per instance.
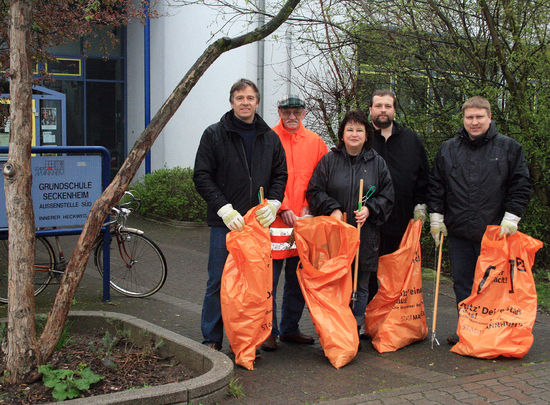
(288, 112)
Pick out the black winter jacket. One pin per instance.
(222, 175)
(405, 156)
(335, 185)
(473, 183)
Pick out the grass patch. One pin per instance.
(235, 388)
(430, 274)
(542, 282)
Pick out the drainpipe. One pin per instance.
(147, 77)
(261, 59)
(289, 60)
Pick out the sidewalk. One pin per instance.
(296, 374)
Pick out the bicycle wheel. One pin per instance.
(44, 261)
(138, 267)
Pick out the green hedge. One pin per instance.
(171, 194)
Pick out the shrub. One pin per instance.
(170, 193)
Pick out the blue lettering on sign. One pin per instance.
(64, 189)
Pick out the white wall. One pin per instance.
(178, 38)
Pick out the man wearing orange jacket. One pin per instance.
(303, 150)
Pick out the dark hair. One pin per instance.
(359, 117)
(382, 93)
(240, 85)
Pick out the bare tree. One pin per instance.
(24, 351)
(434, 54)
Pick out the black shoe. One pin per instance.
(364, 336)
(270, 344)
(453, 339)
(297, 338)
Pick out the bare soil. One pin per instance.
(123, 364)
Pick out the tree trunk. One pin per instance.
(22, 354)
(113, 193)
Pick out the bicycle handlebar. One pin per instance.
(133, 200)
(122, 211)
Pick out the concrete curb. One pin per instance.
(215, 368)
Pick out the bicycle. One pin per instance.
(137, 265)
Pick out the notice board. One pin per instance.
(64, 189)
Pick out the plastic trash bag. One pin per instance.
(395, 317)
(246, 288)
(327, 247)
(497, 318)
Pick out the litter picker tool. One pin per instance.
(356, 269)
(436, 292)
(261, 195)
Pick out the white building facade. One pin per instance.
(177, 38)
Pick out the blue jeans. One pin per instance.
(293, 300)
(463, 254)
(360, 304)
(211, 320)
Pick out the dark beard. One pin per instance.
(382, 124)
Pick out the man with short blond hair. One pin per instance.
(303, 149)
(479, 178)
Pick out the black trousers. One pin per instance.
(388, 244)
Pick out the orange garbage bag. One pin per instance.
(327, 247)
(247, 284)
(395, 317)
(497, 318)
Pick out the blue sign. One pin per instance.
(64, 189)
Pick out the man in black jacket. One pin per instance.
(236, 156)
(479, 178)
(404, 153)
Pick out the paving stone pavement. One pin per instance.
(300, 374)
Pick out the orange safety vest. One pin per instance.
(303, 150)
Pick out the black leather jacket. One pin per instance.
(222, 175)
(335, 185)
(473, 183)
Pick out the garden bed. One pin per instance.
(140, 363)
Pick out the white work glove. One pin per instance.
(231, 217)
(420, 212)
(509, 224)
(266, 215)
(437, 227)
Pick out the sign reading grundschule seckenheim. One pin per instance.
(63, 190)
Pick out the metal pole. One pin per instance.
(147, 77)
(289, 60)
(261, 58)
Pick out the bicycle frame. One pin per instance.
(126, 257)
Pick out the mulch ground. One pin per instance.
(123, 364)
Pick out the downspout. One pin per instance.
(261, 58)
(147, 77)
(289, 60)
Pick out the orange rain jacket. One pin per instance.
(303, 150)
